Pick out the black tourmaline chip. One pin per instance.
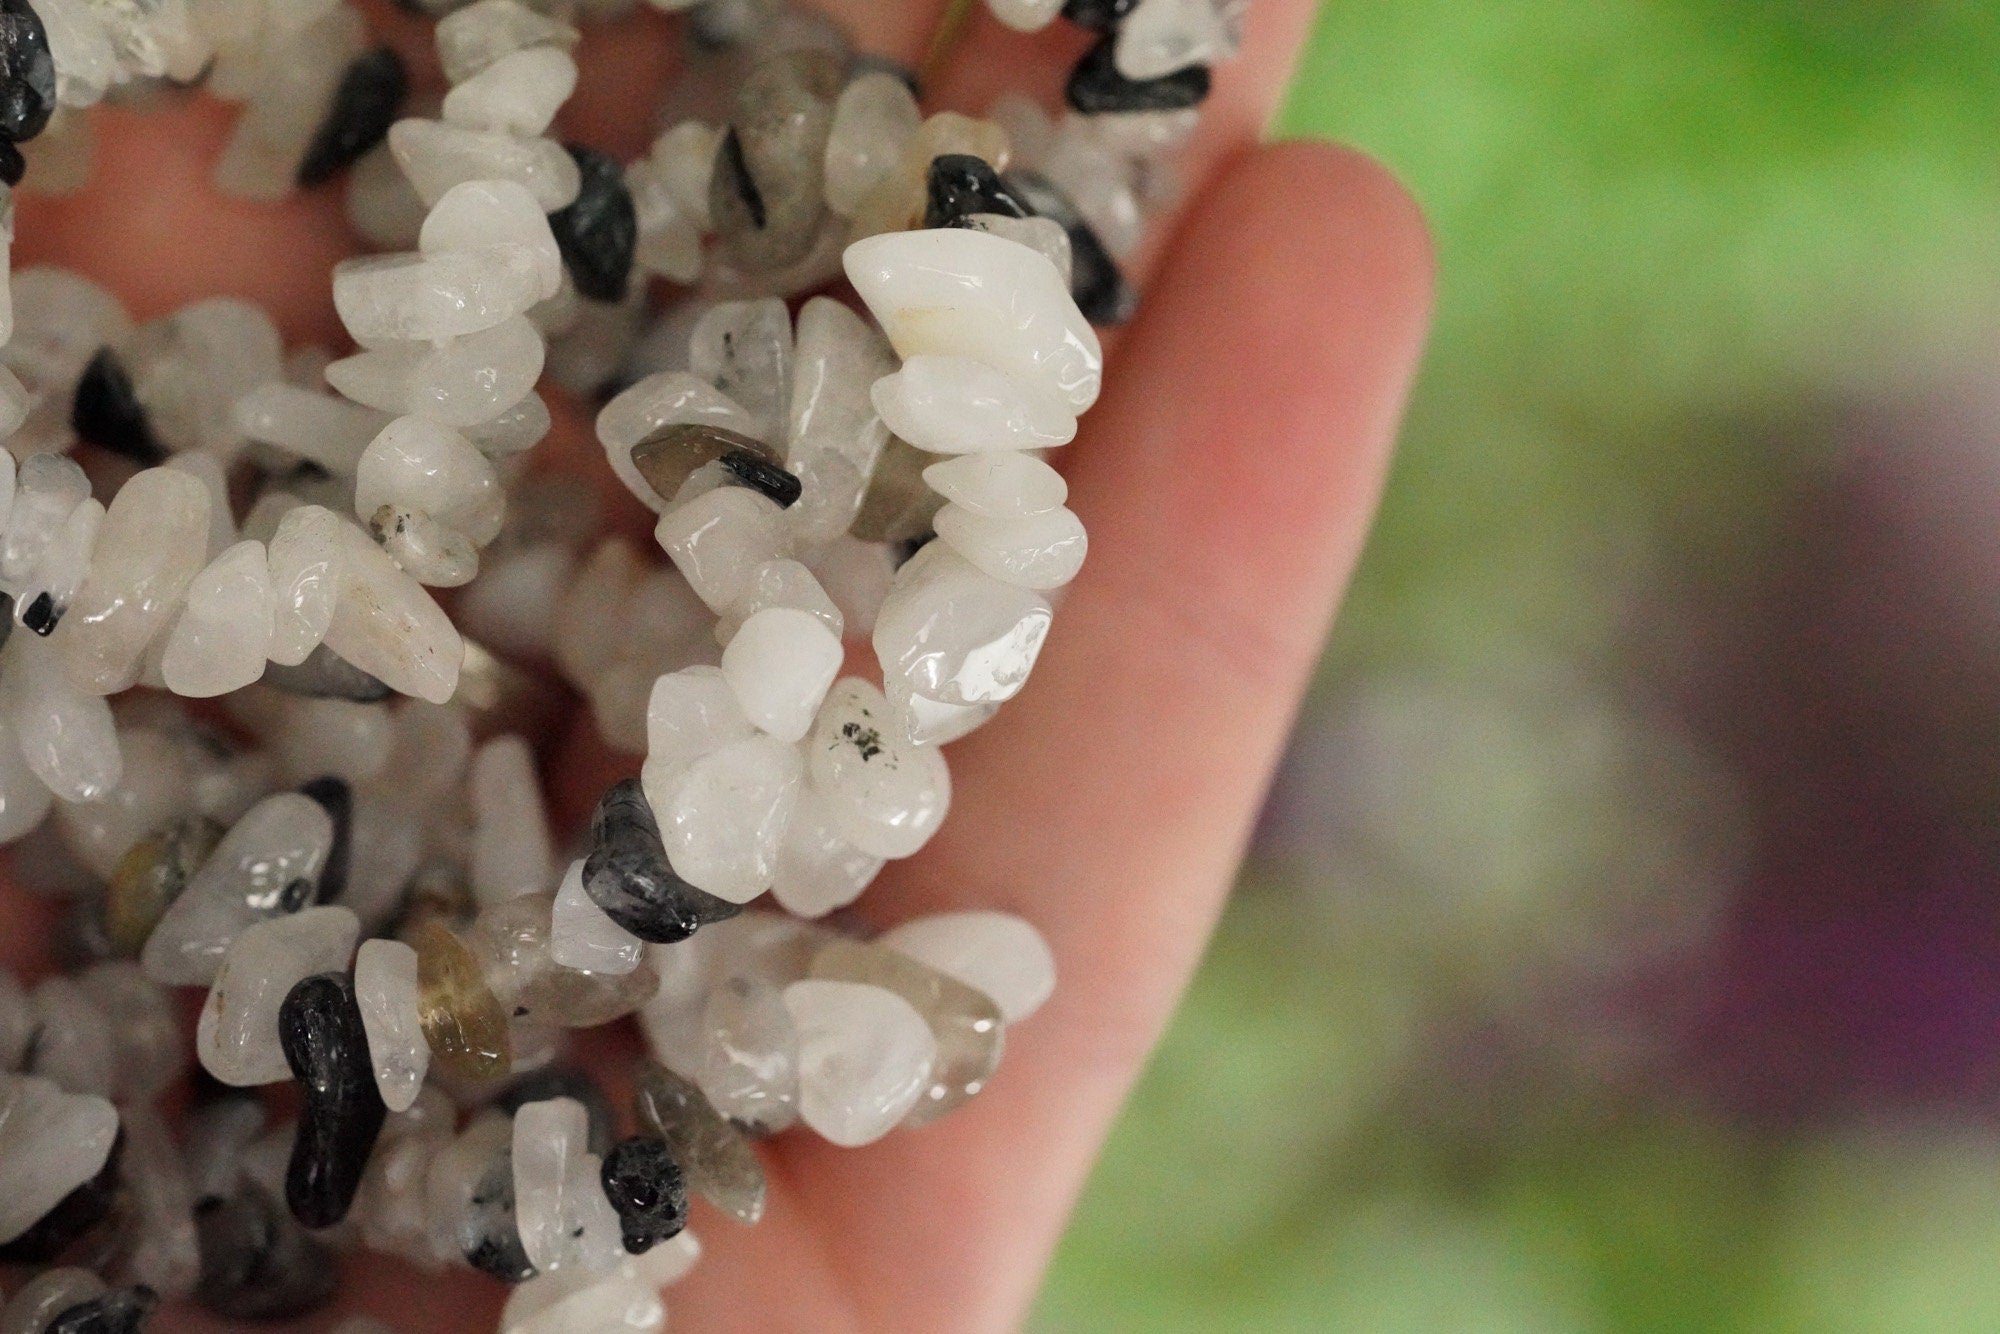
(27, 72)
(42, 615)
(108, 414)
(564, 1081)
(74, 1215)
(120, 1311)
(337, 799)
(365, 105)
(627, 873)
(597, 232)
(761, 475)
(959, 184)
(319, 1026)
(12, 165)
(1098, 15)
(1096, 86)
(646, 1190)
(256, 1263)
(1095, 281)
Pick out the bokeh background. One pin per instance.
(1621, 947)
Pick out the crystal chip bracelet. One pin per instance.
(349, 850)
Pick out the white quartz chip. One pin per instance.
(152, 542)
(237, 1035)
(430, 468)
(993, 952)
(669, 398)
(435, 297)
(780, 664)
(436, 156)
(1040, 551)
(583, 937)
(386, 624)
(51, 1142)
(865, 1057)
(221, 640)
(999, 485)
(477, 214)
(883, 794)
(691, 713)
(956, 405)
(510, 838)
(385, 987)
(719, 539)
(722, 820)
(519, 93)
(953, 633)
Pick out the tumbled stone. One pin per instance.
(385, 300)
(957, 185)
(1095, 281)
(490, 1237)
(51, 1144)
(1096, 86)
(519, 93)
(151, 544)
(429, 467)
(256, 1262)
(719, 539)
(477, 214)
(725, 817)
(383, 622)
(511, 941)
(238, 1036)
(559, 1199)
(436, 156)
(646, 1189)
(627, 873)
(818, 870)
(667, 458)
(365, 104)
(1162, 36)
(564, 1080)
(583, 936)
(150, 876)
(27, 72)
(995, 953)
(718, 1161)
(387, 990)
(960, 405)
(767, 193)
(597, 232)
(1040, 551)
(865, 1057)
(472, 38)
(220, 642)
(463, 1022)
(873, 121)
(744, 348)
(952, 633)
(998, 484)
(107, 412)
(750, 1066)
(965, 1022)
(326, 1045)
(885, 796)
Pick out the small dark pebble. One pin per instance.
(959, 184)
(27, 73)
(256, 1263)
(1095, 280)
(365, 105)
(760, 475)
(597, 233)
(564, 1081)
(108, 414)
(326, 675)
(120, 1311)
(336, 798)
(12, 165)
(628, 876)
(1098, 15)
(1095, 85)
(74, 1215)
(488, 1237)
(42, 615)
(319, 1026)
(646, 1190)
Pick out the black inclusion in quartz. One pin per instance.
(647, 1191)
(1095, 280)
(597, 233)
(959, 185)
(27, 72)
(51, 1236)
(120, 1311)
(729, 160)
(365, 105)
(487, 1234)
(12, 165)
(319, 1026)
(1098, 15)
(762, 475)
(256, 1263)
(107, 411)
(627, 874)
(1096, 86)
(42, 615)
(336, 798)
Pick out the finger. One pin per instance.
(1227, 476)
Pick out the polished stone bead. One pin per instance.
(881, 793)
(1096, 87)
(628, 876)
(958, 185)
(120, 1311)
(326, 675)
(473, 37)
(865, 1058)
(718, 1161)
(239, 1036)
(27, 72)
(966, 1023)
(668, 457)
(1095, 282)
(326, 1044)
(365, 104)
(107, 412)
(874, 120)
(463, 1021)
(598, 231)
(766, 196)
(386, 988)
(646, 1190)
(744, 349)
(256, 1262)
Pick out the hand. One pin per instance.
(1227, 478)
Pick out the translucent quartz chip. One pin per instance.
(952, 633)
(433, 469)
(648, 408)
(957, 405)
(744, 348)
(898, 199)
(672, 455)
(152, 790)
(818, 869)
(718, 539)
(647, 1191)
(385, 623)
(66, 736)
(992, 952)
(956, 292)
(766, 196)
(559, 1204)
(266, 866)
(478, 214)
(385, 984)
(583, 937)
(152, 542)
(1045, 236)
(691, 713)
(464, 383)
(206, 468)
(24, 798)
(965, 1023)
(837, 356)
(668, 242)
(511, 942)
(431, 553)
(519, 93)
(50, 1143)
(998, 485)
(72, 1039)
(1040, 551)
(607, 1305)
(436, 156)
(884, 795)
(750, 1065)
(780, 664)
(48, 488)
(337, 737)
(519, 427)
(787, 584)
(719, 1163)
(305, 576)
(510, 840)
(726, 817)
(684, 160)
(221, 639)
(865, 1057)
(1025, 15)
(627, 881)
(189, 369)
(237, 1035)
(316, 427)
(470, 39)
(434, 297)
(930, 722)
(153, 873)
(1161, 36)
(874, 120)
(463, 1022)
(392, 1211)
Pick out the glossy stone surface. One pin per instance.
(779, 663)
(326, 1045)
(27, 72)
(463, 1022)
(724, 819)
(667, 458)
(966, 1023)
(959, 405)
(882, 794)
(512, 942)
(1095, 280)
(952, 633)
(865, 1057)
(718, 1161)
(583, 936)
(957, 185)
(387, 990)
(995, 953)
(365, 104)
(51, 1143)
(1040, 551)
(1096, 87)
(238, 1036)
(627, 873)
(750, 1063)
(559, 1197)
(597, 232)
(150, 876)
(152, 542)
(647, 1191)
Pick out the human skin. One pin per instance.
(1227, 477)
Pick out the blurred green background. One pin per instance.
(1617, 952)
